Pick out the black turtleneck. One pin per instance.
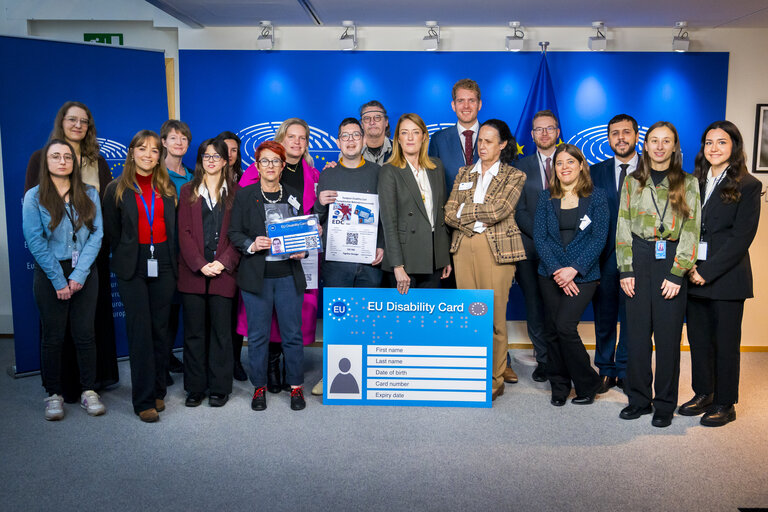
(658, 176)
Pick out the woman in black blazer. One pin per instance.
(722, 277)
(139, 212)
(412, 200)
(269, 282)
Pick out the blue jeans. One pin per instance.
(279, 294)
(343, 274)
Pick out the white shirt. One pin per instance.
(617, 169)
(483, 181)
(712, 183)
(542, 164)
(475, 128)
(422, 180)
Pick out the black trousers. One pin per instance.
(207, 343)
(609, 308)
(567, 359)
(55, 315)
(147, 303)
(527, 277)
(650, 314)
(714, 332)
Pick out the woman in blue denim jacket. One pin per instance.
(63, 228)
(570, 231)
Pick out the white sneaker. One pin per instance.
(90, 401)
(318, 389)
(54, 407)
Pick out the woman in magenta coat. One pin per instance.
(299, 174)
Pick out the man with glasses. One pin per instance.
(539, 169)
(377, 147)
(352, 174)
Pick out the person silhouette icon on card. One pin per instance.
(344, 382)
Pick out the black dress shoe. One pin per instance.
(557, 402)
(696, 405)
(238, 372)
(194, 399)
(661, 420)
(583, 400)
(175, 365)
(259, 401)
(718, 416)
(539, 375)
(620, 383)
(217, 400)
(274, 380)
(606, 383)
(632, 412)
(297, 398)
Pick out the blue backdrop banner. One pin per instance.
(590, 87)
(427, 347)
(125, 91)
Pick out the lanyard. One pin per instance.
(70, 216)
(661, 214)
(717, 181)
(150, 218)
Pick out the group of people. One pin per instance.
(645, 242)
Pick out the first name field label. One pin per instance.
(426, 350)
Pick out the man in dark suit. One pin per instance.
(608, 302)
(456, 145)
(538, 167)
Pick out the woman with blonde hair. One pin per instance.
(411, 200)
(140, 224)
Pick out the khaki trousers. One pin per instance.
(476, 268)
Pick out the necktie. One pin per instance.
(548, 171)
(622, 175)
(468, 146)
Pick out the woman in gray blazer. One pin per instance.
(411, 201)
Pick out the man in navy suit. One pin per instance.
(456, 145)
(608, 302)
(539, 168)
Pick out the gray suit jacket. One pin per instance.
(407, 231)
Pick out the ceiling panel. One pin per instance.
(553, 13)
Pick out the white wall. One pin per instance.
(147, 27)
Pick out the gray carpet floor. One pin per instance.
(523, 454)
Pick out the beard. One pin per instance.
(624, 154)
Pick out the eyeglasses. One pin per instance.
(212, 158)
(76, 120)
(373, 118)
(549, 129)
(354, 136)
(266, 162)
(58, 156)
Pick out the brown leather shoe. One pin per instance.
(159, 404)
(497, 393)
(149, 416)
(510, 377)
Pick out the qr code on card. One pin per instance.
(352, 238)
(311, 242)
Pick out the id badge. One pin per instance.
(75, 257)
(152, 267)
(661, 249)
(701, 254)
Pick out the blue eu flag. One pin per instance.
(541, 96)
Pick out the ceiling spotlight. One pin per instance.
(348, 41)
(681, 43)
(266, 40)
(598, 43)
(431, 41)
(515, 41)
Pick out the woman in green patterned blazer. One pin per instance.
(657, 235)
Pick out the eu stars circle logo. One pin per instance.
(338, 309)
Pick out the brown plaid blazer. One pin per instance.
(497, 211)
